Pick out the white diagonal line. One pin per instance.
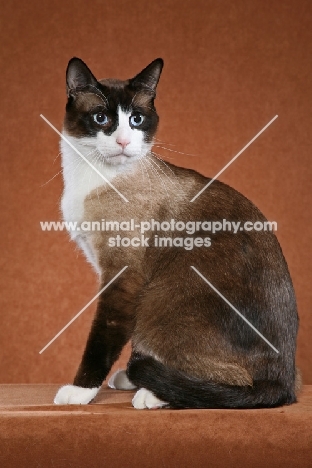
(235, 310)
(84, 158)
(233, 159)
(83, 309)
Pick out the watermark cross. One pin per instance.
(84, 158)
(233, 159)
(234, 308)
(125, 199)
(84, 308)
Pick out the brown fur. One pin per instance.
(174, 319)
(210, 355)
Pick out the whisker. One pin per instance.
(51, 178)
(141, 158)
(160, 156)
(160, 178)
(160, 142)
(98, 91)
(57, 156)
(175, 151)
(157, 156)
(97, 194)
(149, 108)
(133, 98)
(155, 163)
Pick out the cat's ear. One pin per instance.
(78, 76)
(149, 77)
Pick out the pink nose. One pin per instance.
(123, 142)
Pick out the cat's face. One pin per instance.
(116, 120)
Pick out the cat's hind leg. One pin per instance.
(145, 399)
(183, 391)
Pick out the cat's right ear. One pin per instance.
(78, 76)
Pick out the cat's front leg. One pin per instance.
(110, 331)
(75, 395)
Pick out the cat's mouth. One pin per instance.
(119, 158)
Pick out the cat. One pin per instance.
(189, 348)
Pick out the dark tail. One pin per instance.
(181, 391)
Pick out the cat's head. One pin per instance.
(114, 119)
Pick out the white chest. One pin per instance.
(108, 156)
(79, 180)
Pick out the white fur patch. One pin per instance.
(109, 157)
(105, 154)
(119, 381)
(73, 395)
(85, 243)
(145, 399)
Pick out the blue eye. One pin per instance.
(100, 118)
(136, 119)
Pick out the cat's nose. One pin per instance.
(123, 142)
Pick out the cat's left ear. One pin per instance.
(149, 77)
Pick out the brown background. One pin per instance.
(230, 67)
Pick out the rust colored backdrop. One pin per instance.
(230, 67)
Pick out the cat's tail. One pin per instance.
(181, 391)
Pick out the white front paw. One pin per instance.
(73, 395)
(146, 399)
(119, 381)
